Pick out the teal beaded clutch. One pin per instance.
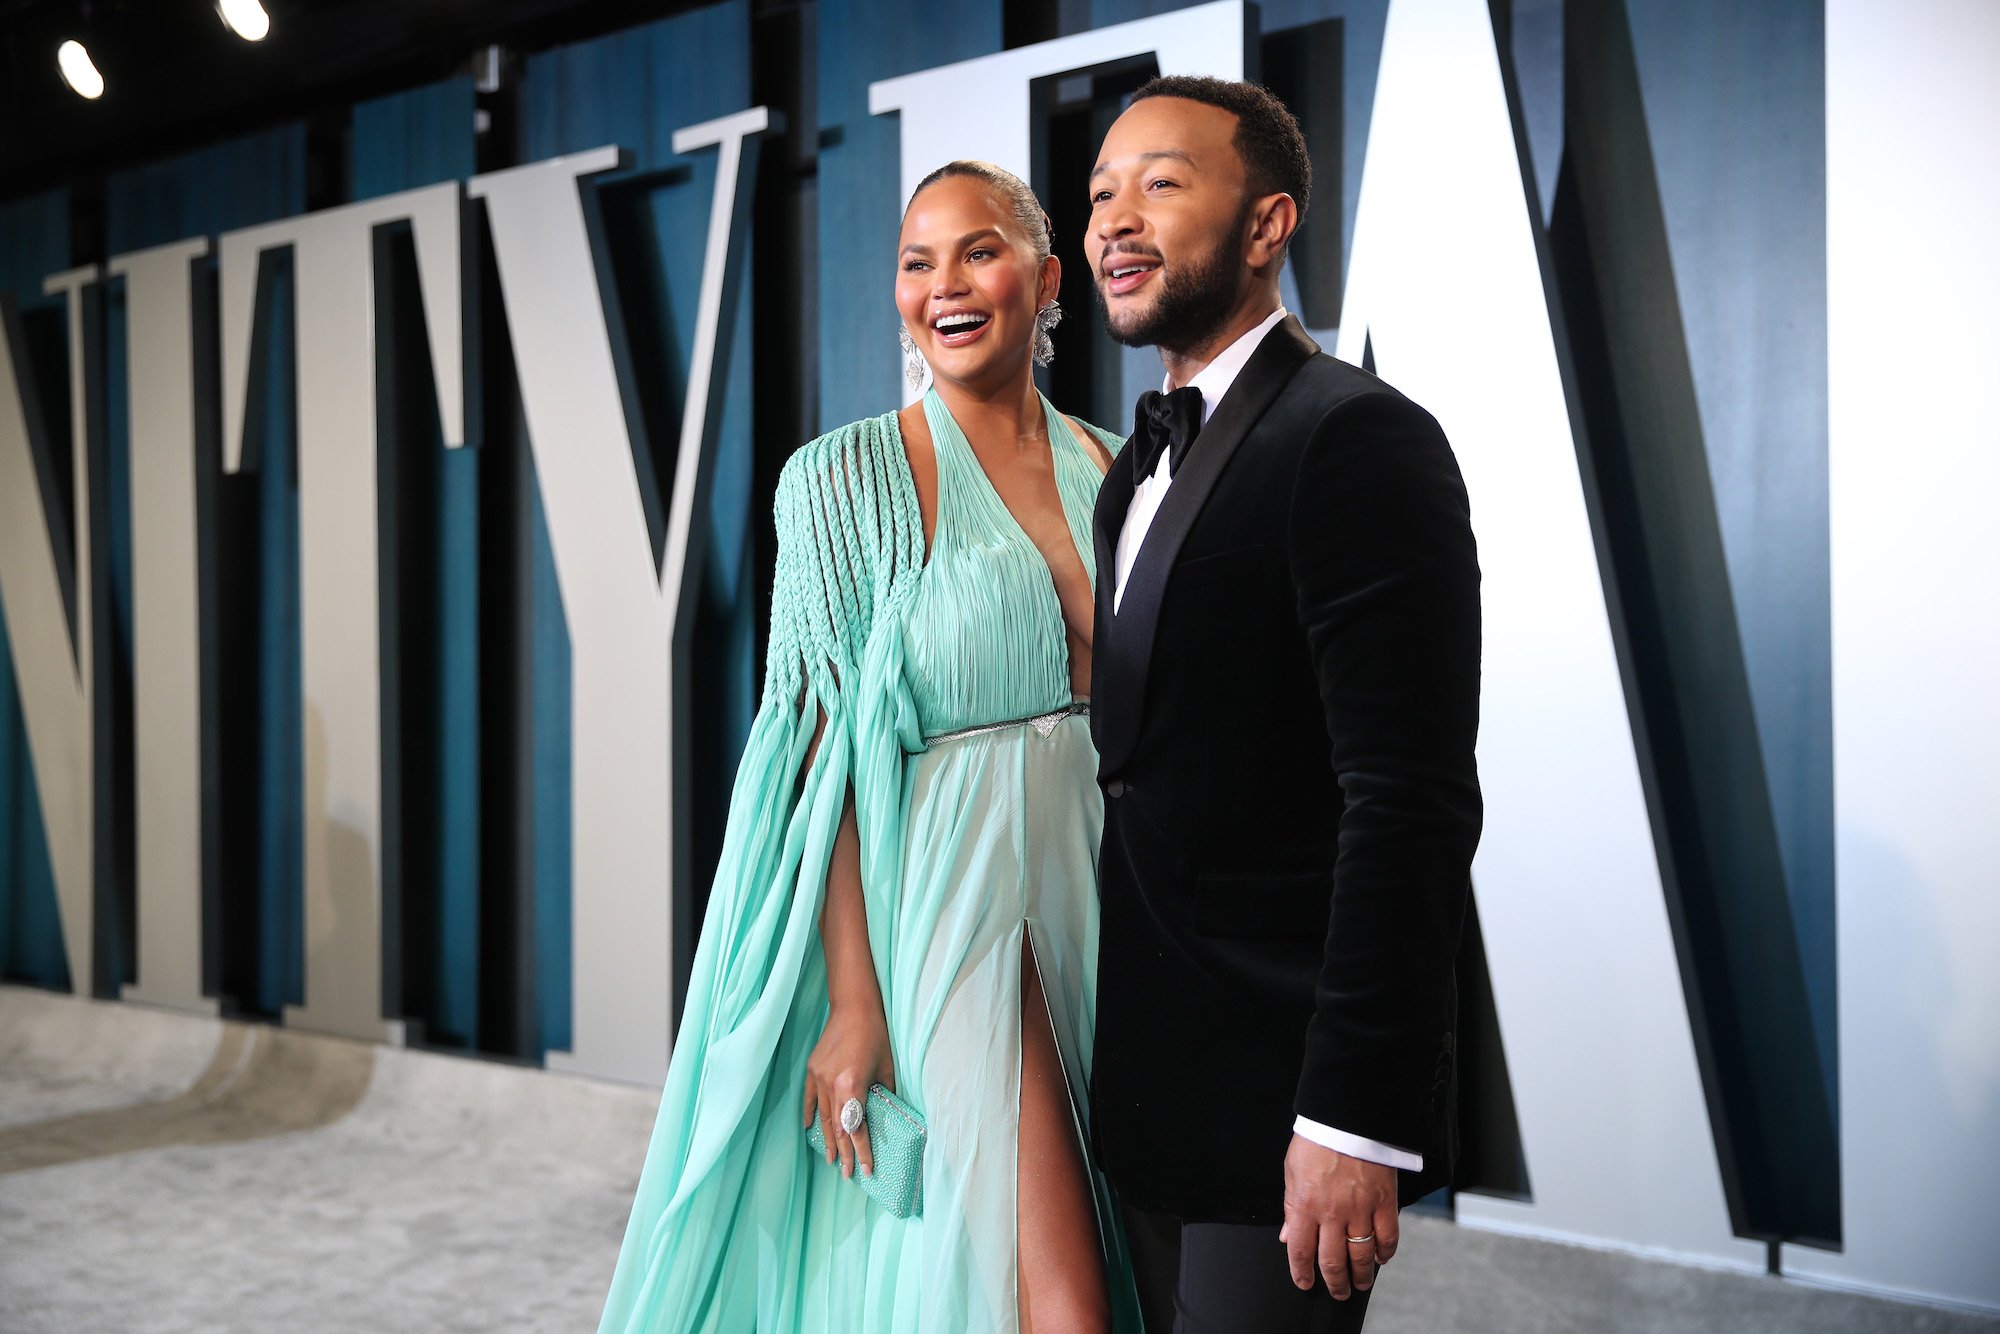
(897, 1134)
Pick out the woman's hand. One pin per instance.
(853, 1052)
(852, 1056)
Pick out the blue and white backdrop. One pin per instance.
(383, 545)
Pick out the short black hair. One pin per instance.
(1267, 134)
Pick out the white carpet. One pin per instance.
(201, 1176)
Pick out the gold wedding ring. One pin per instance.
(1360, 1241)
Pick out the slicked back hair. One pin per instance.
(1267, 134)
(1019, 198)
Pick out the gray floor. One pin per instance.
(166, 1174)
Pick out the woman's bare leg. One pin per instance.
(1061, 1259)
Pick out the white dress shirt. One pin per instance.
(1214, 380)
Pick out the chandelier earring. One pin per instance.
(914, 366)
(1047, 318)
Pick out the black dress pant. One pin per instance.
(1227, 1278)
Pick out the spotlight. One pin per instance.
(77, 71)
(246, 18)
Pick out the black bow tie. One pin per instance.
(1167, 422)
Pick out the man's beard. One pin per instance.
(1194, 299)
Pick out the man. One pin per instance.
(1286, 694)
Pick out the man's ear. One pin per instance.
(1273, 219)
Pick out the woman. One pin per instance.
(907, 890)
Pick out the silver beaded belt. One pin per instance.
(1044, 723)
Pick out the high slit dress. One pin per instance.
(972, 848)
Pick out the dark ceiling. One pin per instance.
(175, 77)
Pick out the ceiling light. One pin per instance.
(77, 71)
(246, 18)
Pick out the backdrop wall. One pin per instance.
(1593, 238)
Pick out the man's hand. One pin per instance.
(1340, 1217)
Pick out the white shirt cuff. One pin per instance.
(1367, 1150)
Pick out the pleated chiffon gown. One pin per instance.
(969, 845)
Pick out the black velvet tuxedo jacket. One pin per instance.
(1284, 707)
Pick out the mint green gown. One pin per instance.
(966, 846)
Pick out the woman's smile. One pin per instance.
(959, 326)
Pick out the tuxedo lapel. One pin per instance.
(1114, 499)
(1107, 519)
(1124, 640)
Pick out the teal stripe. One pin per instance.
(280, 708)
(34, 242)
(31, 941)
(414, 139)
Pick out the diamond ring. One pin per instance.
(851, 1115)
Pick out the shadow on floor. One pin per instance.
(260, 1082)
